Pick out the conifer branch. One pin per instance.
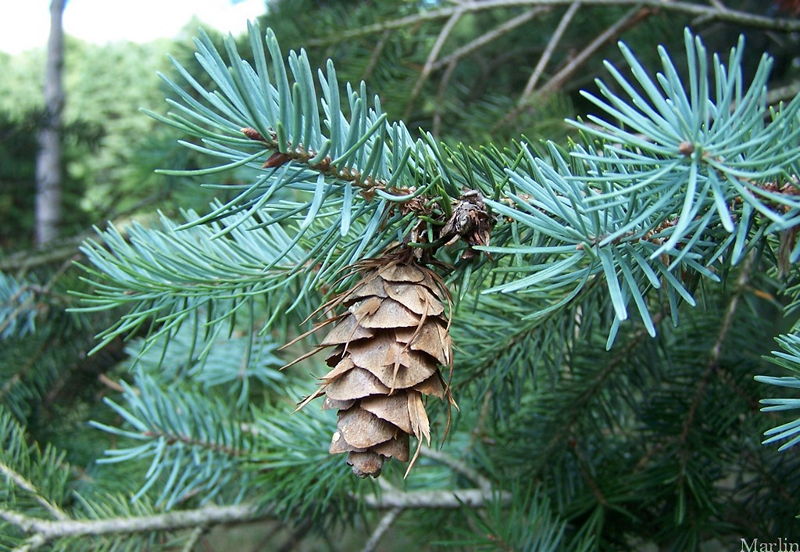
(487, 37)
(383, 525)
(613, 31)
(450, 499)
(432, 55)
(706, 12)
(172, 438)
(207, 516)
(716, 350)
(185, 519)
(303, 155)
(29, 487)
(548, 51)
(577, 408)
(458, 466)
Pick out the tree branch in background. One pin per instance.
(450, 62)
(432, 55)
(548, 51)
(185, 519)
(383, 525)
(631, 18)
(22, 261)
(707, 12)
(12, 475)
(625, 22)
(238, 513)
(488, 37)
(457, 466)
(375, 55)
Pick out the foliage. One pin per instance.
(608, 336)
(17, 159)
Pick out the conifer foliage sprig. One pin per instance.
(195, 444)
(17, 308)
(677, 179)
(177, 276)
(675, 182)
(682, 176)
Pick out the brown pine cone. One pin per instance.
(387, 346)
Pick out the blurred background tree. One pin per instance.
(652, 445)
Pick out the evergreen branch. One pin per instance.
(29, 487)
(30, 362)
(629, 19)
(458, 466)
(578, 405)
(383, 525)
(147, 269)
(709, 12)
(18, 300)
(304, 156)
(718, 190)
(548, 51)
(712, 367)
(196, 444)
(17, 307)
(170, 521)
(236, 366)
(173, 438)
(237, 513)
(445, 499)
(591, 481)
(430, 61)
(487, 37)
(40, 474)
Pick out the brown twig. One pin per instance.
(629, 19)
(207, 516)
(432, 55)
(591, 482)
(548, 51)
(383, 525)
(375, 55)
(489, 36)
(737, 17)
(10, 474)
(451, 61)
(437, 110)
(458, 466)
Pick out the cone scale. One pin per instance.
(386, 345)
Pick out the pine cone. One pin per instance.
(387, 346)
